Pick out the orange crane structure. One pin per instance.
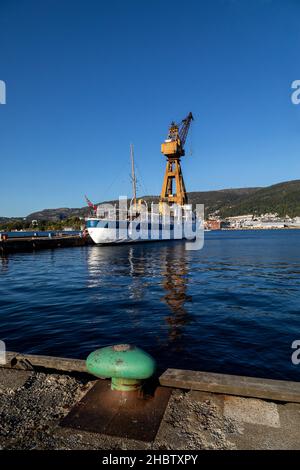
(173, 189)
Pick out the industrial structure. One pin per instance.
(112, 225)
(173, 189)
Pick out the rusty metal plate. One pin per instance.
(123, 414)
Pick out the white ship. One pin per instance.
(107, 228)
(171, 219)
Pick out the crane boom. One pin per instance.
(184, 128)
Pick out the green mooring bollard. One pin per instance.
(126, 365)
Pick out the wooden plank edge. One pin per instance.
(251, 387)
(30, 361)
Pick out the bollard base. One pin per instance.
(125, 385)
(122, 414)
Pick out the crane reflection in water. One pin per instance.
(174, 280)
(129, 278)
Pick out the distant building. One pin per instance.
(293, 223)
(263, 224)
(212, 224)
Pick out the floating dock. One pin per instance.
(13, 245)
(204, 411)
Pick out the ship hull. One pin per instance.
(107, 232)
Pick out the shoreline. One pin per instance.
(255, 228)
(31, 244)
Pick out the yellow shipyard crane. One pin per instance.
(173, 189)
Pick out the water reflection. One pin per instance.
(137, 269)
(174, 280)
(134, 272)
(4, 263)
(245, 286)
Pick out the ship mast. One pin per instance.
(133, 177)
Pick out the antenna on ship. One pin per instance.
(133, 177)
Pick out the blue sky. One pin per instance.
(86, 78)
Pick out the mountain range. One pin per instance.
(283, 198)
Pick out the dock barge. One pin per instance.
(23, 244)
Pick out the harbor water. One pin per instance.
(232, 307)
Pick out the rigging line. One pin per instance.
(140, 180)
(116, 178)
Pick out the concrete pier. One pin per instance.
(36, 392)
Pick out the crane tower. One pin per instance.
(173, 189)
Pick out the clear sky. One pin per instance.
(85, 78)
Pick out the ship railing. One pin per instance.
(121, 214)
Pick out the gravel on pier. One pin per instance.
(32, 404)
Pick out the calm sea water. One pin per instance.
(232, 307)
